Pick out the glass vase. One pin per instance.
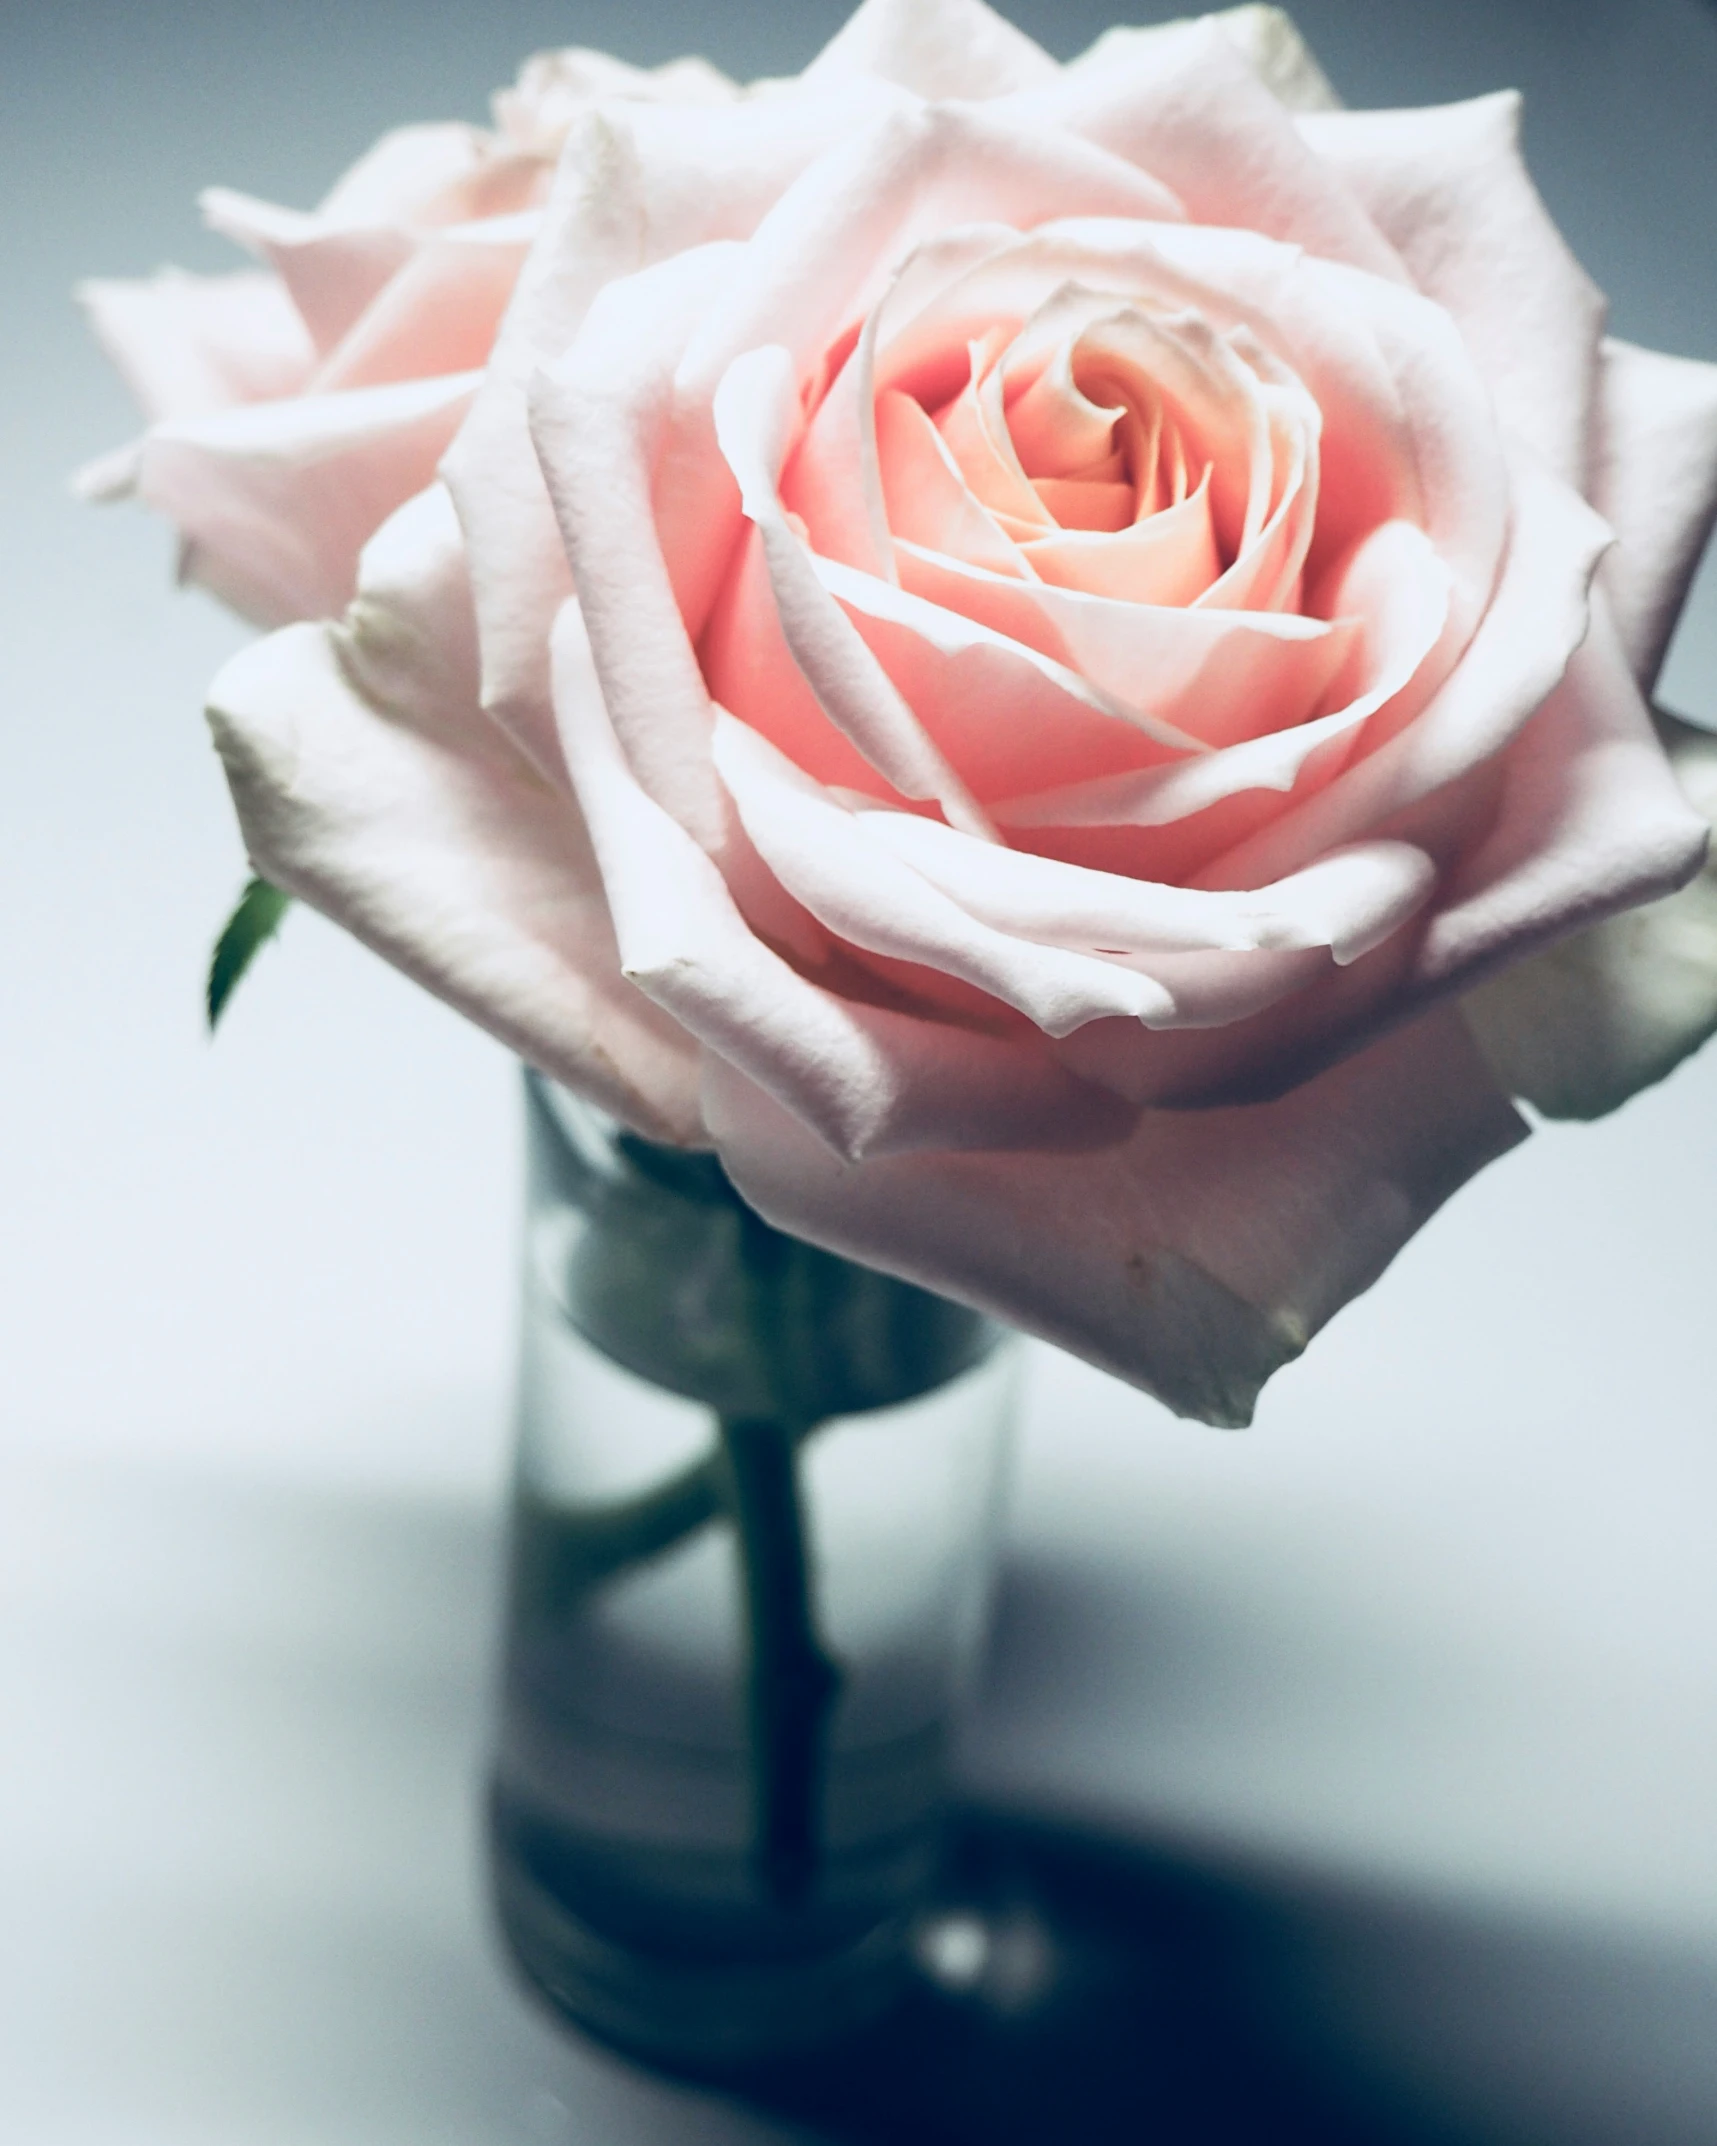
(754, 1520)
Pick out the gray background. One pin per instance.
(1430, 1655)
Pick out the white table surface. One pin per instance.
(1430, 1656)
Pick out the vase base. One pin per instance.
(707, 2018)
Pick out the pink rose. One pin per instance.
(1113, 609)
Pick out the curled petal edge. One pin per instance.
(1195, 1258)
(1578, 1030)
(868, 1079)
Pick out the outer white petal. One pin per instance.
(188, 344)
(1280, 56)
(598, 418)
(1654, 480)
(635, 185)
(1589, 822)
(936, 48)
(1449, 188)
(1266, 37)
(554, 89)
(369, 783)
(275, 500)
(440, 311)
(1184, 102)
(407, 175)
(1196, 1257)
(1579, 1029)
(332, 270)
(592, 231)
(407, 641)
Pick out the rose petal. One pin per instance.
(1250, 958)
(1168, 560)
(1267, 573)
(1397, 592)
(936, 48)
(408, 641)
(1349, 901)
(831, 247)
(960, 673)
(1172, 387)
(869, 1079)
(554, 89)
(1449, 187)
(1536, 620)
(1181, 102)
(1591, 821)
(1212, 401)
(1186, 678)
(330, 271)
(1055, 427)
(451, 859)
(438, 313)
(1083, 506)
(833, 481)
(1277, 54)
(1655, 482)
(1579, 1029)
(975, 430)
(1580, 817)
(860, 889)
(275, 500)
(185, 344)
(750, 670)
(1195, 1258)
(598, 418)
(440, 173)
(926, 500)
(756, 413)
(1407, 430)
(591, 232)
(634, 185)
(920, 639)
(1458, 459)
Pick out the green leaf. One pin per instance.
(250, 927)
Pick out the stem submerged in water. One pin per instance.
(792, 1682)
(561, 1555)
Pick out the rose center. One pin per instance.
(1127, 451)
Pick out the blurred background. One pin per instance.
(1420, 1673)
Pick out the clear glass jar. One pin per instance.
(753, 1532)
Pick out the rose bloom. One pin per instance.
(1052, 659)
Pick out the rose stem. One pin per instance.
(792, 1682)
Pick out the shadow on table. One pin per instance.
(1072, 1988)
(236, 1809)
